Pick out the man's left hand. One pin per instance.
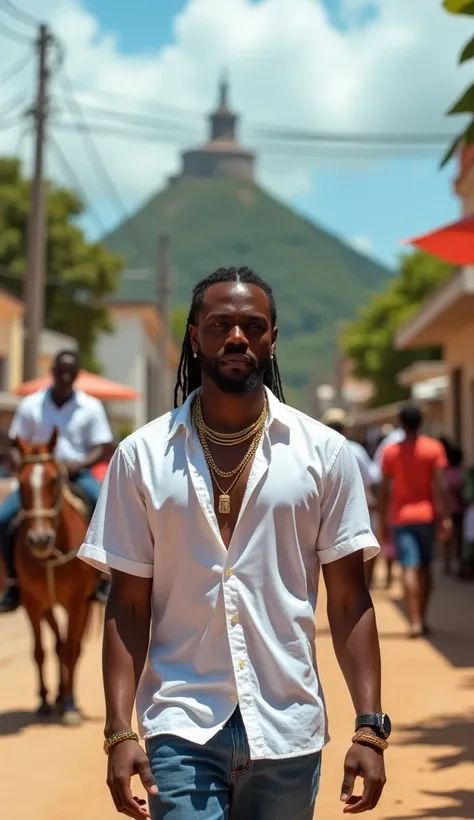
(367, 763)
(73, 468)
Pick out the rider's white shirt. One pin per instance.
(82, 423)
(232, 625)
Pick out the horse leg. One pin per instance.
(35, 614)
(78, 616)
(54, 626)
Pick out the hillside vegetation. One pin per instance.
(317, 279)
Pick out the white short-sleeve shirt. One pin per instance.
(81, 422)
(232, 626)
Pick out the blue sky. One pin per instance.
(322, 65)
(378, 204)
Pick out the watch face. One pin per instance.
(386, 725)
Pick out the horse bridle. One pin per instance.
(51, 512)
(56, 558)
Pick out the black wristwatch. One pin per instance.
(379, 722)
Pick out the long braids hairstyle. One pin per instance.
(189, 369)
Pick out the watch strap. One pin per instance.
(369, 720)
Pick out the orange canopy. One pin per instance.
(90, 383)
(454, 243)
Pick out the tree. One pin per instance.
(80, 274)
(368, 341)
(465, 104)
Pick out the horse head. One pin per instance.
(40, 483)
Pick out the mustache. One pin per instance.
(238, 350)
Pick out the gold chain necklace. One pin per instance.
(224, 497)
(203, 436)
(229, 439)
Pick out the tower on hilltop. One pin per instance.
(222, 157)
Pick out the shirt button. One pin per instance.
(235, 620)
(242, 664)
(233, 698)
(229, 572)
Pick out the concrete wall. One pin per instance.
(458, 355)
(123, 357)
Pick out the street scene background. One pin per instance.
(329, 146)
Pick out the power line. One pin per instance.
(279, 133)
(315, 150)
(15, 69)
(13, 103)
(20, 15)
(76, 182)
(11, 34)
(96, 159)
(134, 135)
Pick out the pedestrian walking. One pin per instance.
(413, 493)
(214, 521)
(337, 419)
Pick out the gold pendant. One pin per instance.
(224, 504)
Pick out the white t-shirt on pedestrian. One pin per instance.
(81, 422)
(232, 626)
(369, 470)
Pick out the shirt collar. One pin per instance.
(181, 419)
(74, 398)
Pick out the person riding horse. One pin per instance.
(83, 434)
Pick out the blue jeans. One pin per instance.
(414, 544)
(218, 781)
(12, 506)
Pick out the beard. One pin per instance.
(238, 383)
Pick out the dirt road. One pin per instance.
(52, 773)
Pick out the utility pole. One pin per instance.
(34, 286)
(164, 291)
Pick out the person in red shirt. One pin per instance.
(412, 496)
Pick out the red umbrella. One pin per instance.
(90, 383)
(453, 243)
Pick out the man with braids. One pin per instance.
(214, 521)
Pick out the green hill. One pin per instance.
(317, 279)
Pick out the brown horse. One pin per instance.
(50, 529)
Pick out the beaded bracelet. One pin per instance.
(371, 740)
(117, 737)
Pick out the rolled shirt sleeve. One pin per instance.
(119, 536)
(345, 519)
(99, 428)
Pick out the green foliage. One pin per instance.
(465, 105)
(317, 279)
(80, 274)
(179, 318)
(369, 340)
(467, 52)
(459, 6)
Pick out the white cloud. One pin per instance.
(289, 65)
(362, 243)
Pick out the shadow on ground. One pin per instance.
(459, 806)
(12, 723)
(454, 737)
(451, 618)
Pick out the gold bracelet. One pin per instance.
(371, 740)
(117, 737)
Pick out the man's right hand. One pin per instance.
(126, 759)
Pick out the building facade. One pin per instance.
(446, 320)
